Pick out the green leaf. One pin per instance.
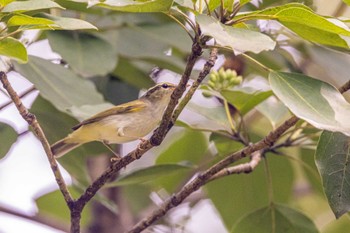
(225, 145)
(59, 85)
(347, 2)
(12, 48)
(238, 39)
(63, 23)
(312, 100)
(188, 148)
(135, 5)
(245, 99)
(8, 136)
(21, 19)
(150, 174)
(236, 195)
(332, 160)
(5, 2)
(275, 218)
(83, 52)
(139, 44)
(30, 5)
(131, 74)
(304, 22)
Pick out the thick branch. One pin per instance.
(39, 133)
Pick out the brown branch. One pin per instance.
(202, 179)
(39, 133)
(45, 220)
(207, 175)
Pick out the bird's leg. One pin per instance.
(116, 156)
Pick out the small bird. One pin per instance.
(122, 123)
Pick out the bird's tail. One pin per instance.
(62, 147)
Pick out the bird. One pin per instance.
(120, 124)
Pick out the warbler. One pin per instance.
(119, 124)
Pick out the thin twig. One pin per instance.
(32, 121)
(240, 168)
(42, 219)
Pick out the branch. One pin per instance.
(32, 121)
(45, 220)
(240, 168)
(159, 134)
(212, 172)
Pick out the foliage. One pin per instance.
(106, 55)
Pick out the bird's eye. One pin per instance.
(165, 86)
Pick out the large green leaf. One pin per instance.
(240, 40)
(59, 85)
(245, 99)
(63, 23)
(236, 195)
(332, 160)
(12, 48)
(135, 6)
(21, 19)
(275, 218)
(8, 136)
(312, 100)
(30, 5)
(304, 22)
(85, 53)
(150, 174)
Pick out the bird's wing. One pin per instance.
(129, 107)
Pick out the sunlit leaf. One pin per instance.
(312, 100)
(30, 5)
(64, 23)
(274, 110)
(84, 52)
(135, 6)
(12, 48)
(275, 218)
(58, 84)
(304, 22)
(238, 39)
(332, 160)
(21, 19)
(8, 136)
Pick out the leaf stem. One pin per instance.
(229, 117)
(257, 62)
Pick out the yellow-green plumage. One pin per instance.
(120, 124)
